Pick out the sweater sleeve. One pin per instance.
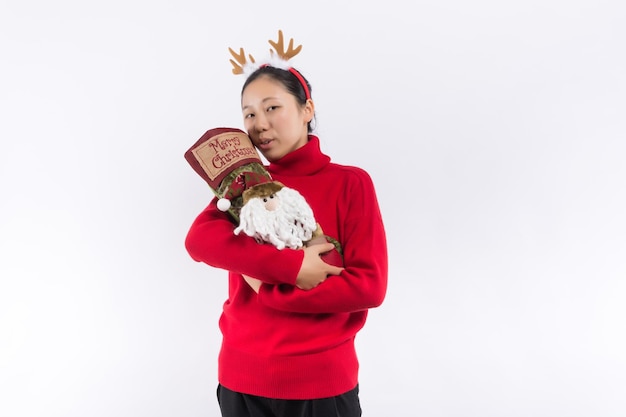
(363, 283)
(211, 240)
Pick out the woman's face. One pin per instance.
(275, 121)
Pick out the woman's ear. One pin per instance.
(309, 110)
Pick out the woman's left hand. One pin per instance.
(254, 283)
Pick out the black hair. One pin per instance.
(288, 80)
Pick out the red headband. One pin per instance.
(302, 81)
(299, 76)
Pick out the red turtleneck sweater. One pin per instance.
(285, 342)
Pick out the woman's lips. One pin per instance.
(265, 143)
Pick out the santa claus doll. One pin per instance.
(261, 208)
(277, 214)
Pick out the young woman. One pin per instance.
(290, 320)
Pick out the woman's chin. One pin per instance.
(270, 156)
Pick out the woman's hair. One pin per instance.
(288, 80)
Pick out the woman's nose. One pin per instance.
(261, 123)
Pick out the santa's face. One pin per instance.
(270, 203)
(275, 121)
(283, 219)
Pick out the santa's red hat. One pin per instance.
(242, 182)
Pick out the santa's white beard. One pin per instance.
(290, 225)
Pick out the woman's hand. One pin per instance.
(254, 283)
(314, 270)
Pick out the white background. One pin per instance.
(495, 133)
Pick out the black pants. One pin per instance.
(235, 404)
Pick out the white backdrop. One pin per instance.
(494, 132)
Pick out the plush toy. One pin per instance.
(276, 214)
(260, 207)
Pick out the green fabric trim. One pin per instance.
(336, 243)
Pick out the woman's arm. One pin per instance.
(313, 270)
(211, 240)
(363, 282)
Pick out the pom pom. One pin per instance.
(223, 204)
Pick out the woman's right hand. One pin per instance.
(314, 270)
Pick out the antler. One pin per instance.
(280, 47)
(241, 60)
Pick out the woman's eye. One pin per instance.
(248, 116)
(270, 108)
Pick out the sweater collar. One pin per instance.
(305, 160)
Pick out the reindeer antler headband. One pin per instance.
(279, 58)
